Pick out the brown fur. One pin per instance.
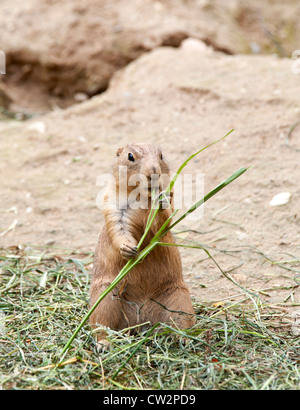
(154, 289)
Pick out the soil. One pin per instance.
(181, 96)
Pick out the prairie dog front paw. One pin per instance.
(128, 251)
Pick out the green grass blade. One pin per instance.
(129, 265)
(204, 199)
(213, 259)
(169, 188)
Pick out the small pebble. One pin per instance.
(280, 199)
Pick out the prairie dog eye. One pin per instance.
(161, 156)
(130, 157)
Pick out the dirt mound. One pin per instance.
(60, 54)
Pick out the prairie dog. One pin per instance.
(154, 290)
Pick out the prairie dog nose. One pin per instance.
(155, 170)
(152, 170)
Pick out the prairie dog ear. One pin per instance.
(119, 151)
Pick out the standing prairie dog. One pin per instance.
(154, 290)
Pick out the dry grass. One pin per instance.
(44, 295)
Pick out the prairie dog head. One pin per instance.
(142, 166)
